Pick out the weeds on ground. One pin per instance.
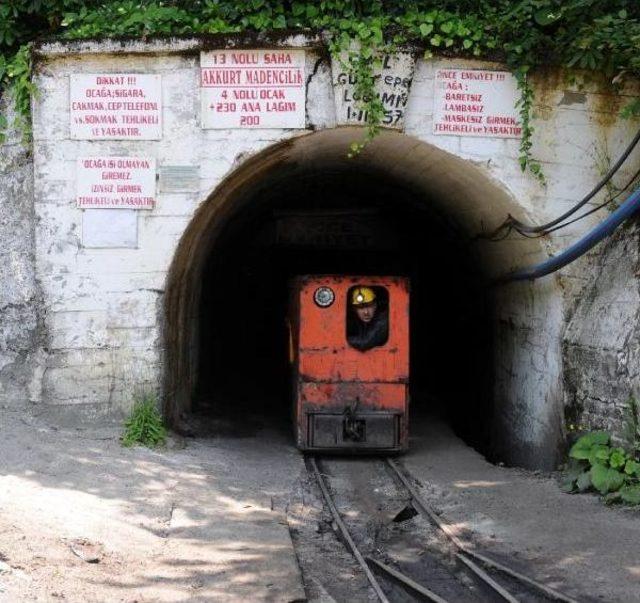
(144, 425)
(596, 465)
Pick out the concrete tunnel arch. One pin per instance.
(527, 426)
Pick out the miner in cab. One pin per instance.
(368, 323)
(349, 354)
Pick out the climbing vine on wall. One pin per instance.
(599, 35)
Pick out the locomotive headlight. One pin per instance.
(324, 296)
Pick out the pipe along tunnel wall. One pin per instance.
(402, 207)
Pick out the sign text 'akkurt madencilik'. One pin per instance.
(252, 89)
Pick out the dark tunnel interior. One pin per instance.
(341, 222)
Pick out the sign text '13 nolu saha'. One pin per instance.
(252, 89)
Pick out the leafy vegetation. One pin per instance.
(596, 465)
(631, 430)
(144, 425)
(601, 35)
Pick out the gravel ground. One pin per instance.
(84, 519)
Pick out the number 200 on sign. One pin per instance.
(245, 120)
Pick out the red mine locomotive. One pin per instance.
(349, 350)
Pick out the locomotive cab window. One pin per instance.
(367, 317)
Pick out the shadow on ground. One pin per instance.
(203, 522)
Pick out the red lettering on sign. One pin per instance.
(117, 101)
(253, 88)
(475, 103)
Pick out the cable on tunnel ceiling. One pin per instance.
(630, 206)
(524, 229)
(581, 216)
(597, 207)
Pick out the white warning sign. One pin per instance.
(116, 182)
(252, 89)
(115, 106)
(476, 102)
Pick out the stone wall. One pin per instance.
(19, 307)
(601, 348)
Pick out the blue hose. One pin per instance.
(630, 206)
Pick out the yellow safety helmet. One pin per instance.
(361, 296)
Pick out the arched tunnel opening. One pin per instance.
(347, 221)
(302, 207)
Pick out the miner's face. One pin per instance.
(366, 313)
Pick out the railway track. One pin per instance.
(428, 562)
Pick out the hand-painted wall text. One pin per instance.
(392, 86)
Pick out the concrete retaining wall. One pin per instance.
(19, 301)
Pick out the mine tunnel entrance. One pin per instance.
(346, 221)
(301, 206)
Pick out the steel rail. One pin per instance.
(345, 532)
(407, 582)
(465, 552)
(486, 578)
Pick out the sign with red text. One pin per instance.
(252, 89)
(115, 106)
(476, 102)
(116, 182)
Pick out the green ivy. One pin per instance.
(600, 35)
(524, 106)
(18, 71)
(632, 109)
